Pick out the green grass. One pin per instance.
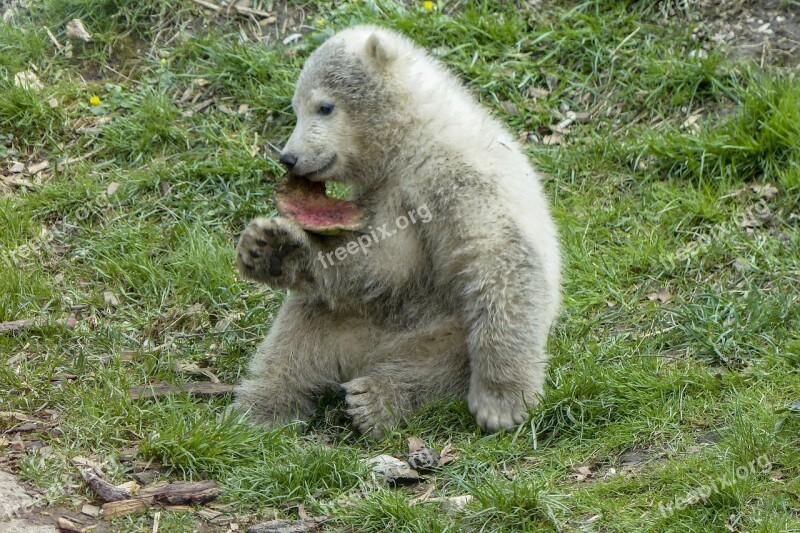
(696, 384)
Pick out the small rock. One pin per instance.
(90, 510)
(393, 470)
(423, 458)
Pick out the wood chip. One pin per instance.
(161, 389)
(180, 492)
(38, 167)
(17, 325)
(16, 415)
(91, 510)
(73, 525)
(123, 507)
(24, 428)
(104, 489)
(209, 514)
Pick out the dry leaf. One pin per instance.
(415, 443)
(766, 191)
(17, 168)
(112, 188)
(510, 108)
(552, 140)
(76, 29)
(28, 80)
(537, 92)
(447, 455)
(193, 368)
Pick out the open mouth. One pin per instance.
(311, 204)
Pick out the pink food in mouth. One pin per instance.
(305, 202)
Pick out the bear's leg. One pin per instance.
(403, 373)
(306, 351)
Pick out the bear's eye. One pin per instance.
(325, 109)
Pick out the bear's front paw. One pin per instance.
(495, 408)
(369, 404)
(271, 250)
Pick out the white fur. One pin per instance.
(459, 306)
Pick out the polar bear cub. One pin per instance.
(438, 276)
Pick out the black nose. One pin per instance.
(288, 160)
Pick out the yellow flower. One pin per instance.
(427, 6)
(320, 22)
(163, 60)
(94, 100)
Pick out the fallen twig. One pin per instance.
(158, 390)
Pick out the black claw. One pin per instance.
(254, 254)
(275, 264)
(261, 242)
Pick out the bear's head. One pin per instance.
(346, 103)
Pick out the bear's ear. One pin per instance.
(379, 51)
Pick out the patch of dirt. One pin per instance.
(767, 31)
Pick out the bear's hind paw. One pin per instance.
(369, 406)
